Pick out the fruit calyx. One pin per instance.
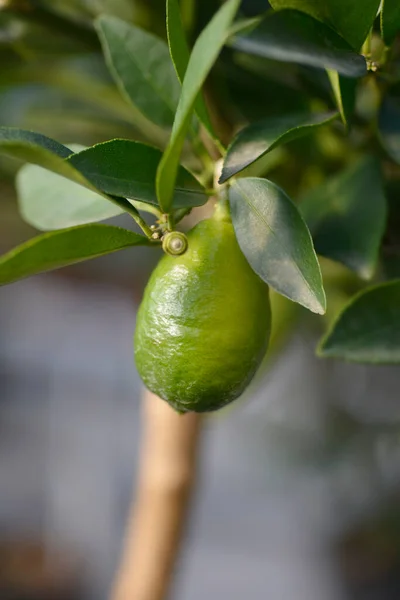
(174, 243)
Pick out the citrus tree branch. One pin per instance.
(167, 472)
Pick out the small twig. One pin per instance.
(167, 472)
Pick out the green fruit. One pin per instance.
(203, 326)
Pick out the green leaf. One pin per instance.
(49, 154)
(344, 91)
(142, 68)
(127, 168)
(368, 329)
(352, 20)
(390, 20)
(204, 54)
(347, 216)
(65, 247)
(35, 148)
(292, 36)
(180, 55)
(48, 201)
(389, 126)
(261, 137)
(276, 242)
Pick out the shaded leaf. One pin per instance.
(347, 215)
(127, 168)
(389, 126)
(180, 55)
(65, 247)
(205, 52)
(344, 91)
(292, 36)
(142, 68)
(352, 20)
(261, 137)
(276, 242)
(390, 20)
(368, 329)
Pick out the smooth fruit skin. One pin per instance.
(203, 326)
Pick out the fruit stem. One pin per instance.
(171, 221)
(140, 221)
(222, 210)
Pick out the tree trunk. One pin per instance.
(155, 526)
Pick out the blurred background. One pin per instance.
(299, 480)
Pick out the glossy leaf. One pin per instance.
(180, 55)
(390, 20)
(65, 247)
(347, 216)
(261, 137)
(352, 20)
(127, 168)
(389, 126)
(204, 54)
(344, 91)
(142, 68)
(276, 241)
(368, 329)
(292, 36)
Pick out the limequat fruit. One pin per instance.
(203, 326)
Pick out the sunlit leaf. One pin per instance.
(204, 54)
(65, 247)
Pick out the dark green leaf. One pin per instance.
(390, 20)
(180, 55)
(261, 137)
(292, 36)
(127, 168)
(344, 91)
(351, 19)
(204, 54)
(36, 148)
(276, 241)
(347, 215)
(45, 152)
(142, 68)
(389, 126)
(368, 329)
(65, 247)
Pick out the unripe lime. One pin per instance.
(203, 326)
